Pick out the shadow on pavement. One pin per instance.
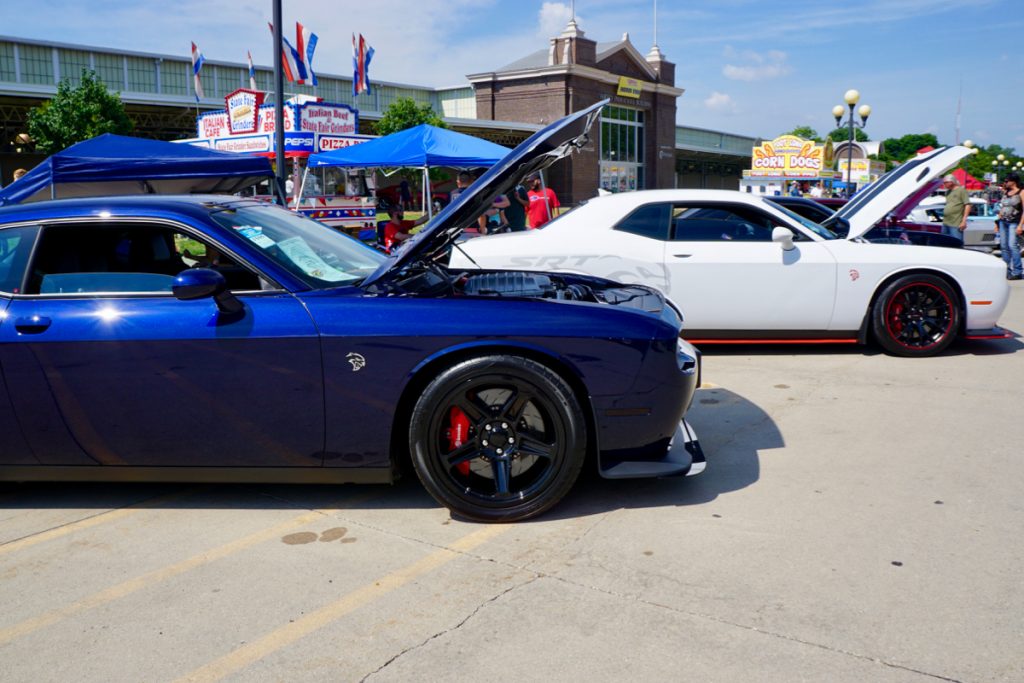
(732, 432)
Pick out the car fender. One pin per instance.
(425, 371)
(859, 286)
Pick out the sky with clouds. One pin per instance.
(747, 66)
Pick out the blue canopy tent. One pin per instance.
(115, 164)
(422, 146)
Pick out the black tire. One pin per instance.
(524, 447)
(916, 315)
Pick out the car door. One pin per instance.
(109, 368)
(16, 245)
(729, 275)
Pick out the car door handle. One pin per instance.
(33, 324)
(682, 255)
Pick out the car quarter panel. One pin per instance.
(373, 346)
(866, 267)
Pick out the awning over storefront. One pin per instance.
(116, 164)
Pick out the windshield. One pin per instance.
(819, 230)
(309, 250)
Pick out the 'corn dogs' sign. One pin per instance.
(788, 156)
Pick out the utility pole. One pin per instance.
(279, 100)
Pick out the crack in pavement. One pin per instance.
(541, 574)
(446, 631)
(754, 629)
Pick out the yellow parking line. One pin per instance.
(95, 520)
(130, 586)
(707, 385)
(303, 626)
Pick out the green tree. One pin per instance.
(843, 134)
(77, 113)
(981, 163)
(405, 113)
(903, 148)
(805, 132)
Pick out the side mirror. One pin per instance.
(200, 283)
(783, 236)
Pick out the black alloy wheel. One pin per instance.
(498, 438)
(917, 315)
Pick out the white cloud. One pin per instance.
(758, 67)
(552, 18)
(720, 102)
(427, 42)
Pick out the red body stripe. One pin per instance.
(770, 341)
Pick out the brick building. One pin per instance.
(635, 146)
(638, 145)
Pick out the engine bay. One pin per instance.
(567, 287)
(435, 280)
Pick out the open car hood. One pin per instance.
(910, 181)
(541, 150)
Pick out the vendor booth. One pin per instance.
(115, 164)
(777, 164)
(246, 126)
(422, 147)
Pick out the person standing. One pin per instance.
(397, 229)
(462, 181)
(1011, 226)
(958, 207)
(515, 213)
(543, 203)
(493, 221)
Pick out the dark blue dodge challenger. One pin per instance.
(223, 339)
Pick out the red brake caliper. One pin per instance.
(458, 432)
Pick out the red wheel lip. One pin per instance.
(888, 308)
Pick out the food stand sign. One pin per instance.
(328, 119)
(215, 124)
(629, 87)
(242, 109)
(787, 156)
(864, 170)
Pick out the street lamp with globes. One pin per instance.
(851, 97)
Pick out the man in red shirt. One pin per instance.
(543, 202)
(397, 230)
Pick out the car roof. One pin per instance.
(782, 199)
(129, 205)
(640, 197)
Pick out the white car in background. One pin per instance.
(742, 268)
(981, 232)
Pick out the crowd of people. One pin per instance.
(527, 206)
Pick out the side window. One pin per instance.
(719, 223)
(650, 220)
(123, 258)
(15, 249)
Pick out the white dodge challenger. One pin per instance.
(743, 269)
